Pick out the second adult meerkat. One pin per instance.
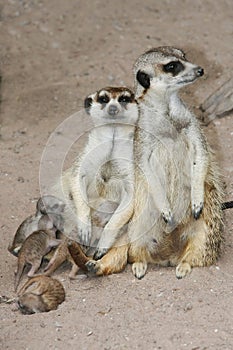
(105, 169)
(178, 192)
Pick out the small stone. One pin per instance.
(58, 325)
(20, 179)
(188, 307)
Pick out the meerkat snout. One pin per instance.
(113, 110)
(199, 71)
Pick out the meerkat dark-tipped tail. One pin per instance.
(227, 205)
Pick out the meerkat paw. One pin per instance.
(139, 269)
(183, 269)
(168, 217)
(92, 266)
(84, 232)
(197, 210)
(99, 253)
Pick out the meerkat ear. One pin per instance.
(143, 79)
(87, 104)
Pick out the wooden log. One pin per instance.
(219, 104)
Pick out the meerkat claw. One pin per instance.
(182, 270)
(99, 253)
(84, 234)
(168, 217)
(91, 266)
(139, 269)
(197, 210)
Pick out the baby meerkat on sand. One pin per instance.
(34, 248)
(105, 169)
(40, 294)
(178, 192)
(45, 205)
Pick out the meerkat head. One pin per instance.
(164, 69)
(50, 204)
(112, 105)
(28, 303)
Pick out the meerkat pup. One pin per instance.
(70, 250)
(178, 191)
(34, 248)
(105, 169)
(45, 205)
(40, 294)
(62, 254)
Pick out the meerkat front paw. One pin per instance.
(84, 232)
(139, 269)
(183, 269)
(92, 266)
(168, 217)
(197, 210)
(99, 253)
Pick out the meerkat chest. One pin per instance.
(160, 135)
(109, 161)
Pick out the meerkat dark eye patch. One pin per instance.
(125, 99)
(174, 67)
(103, 99)
(143, 79)
(87, 104)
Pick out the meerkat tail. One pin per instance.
(227, 205)
(77, 254)
(21, 266)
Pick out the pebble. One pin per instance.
(188, 307)
(58, 325)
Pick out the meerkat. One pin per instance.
(62, 254)
(72, 251)
(45, 205)
(34, 248)
(178, 190)
(40, 294)
(105, 169)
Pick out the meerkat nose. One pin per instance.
(199, 71)
(113, 110)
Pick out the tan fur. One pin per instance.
(177, 212)
(114, 261)
(40, 294)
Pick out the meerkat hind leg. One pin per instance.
(139, 269)
(112, 229)
(182, 270)
(35, 267)
(73, 272)
(194, 252)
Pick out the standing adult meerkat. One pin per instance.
(105, 169)
(178, 191)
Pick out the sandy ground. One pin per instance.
(54, 53)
